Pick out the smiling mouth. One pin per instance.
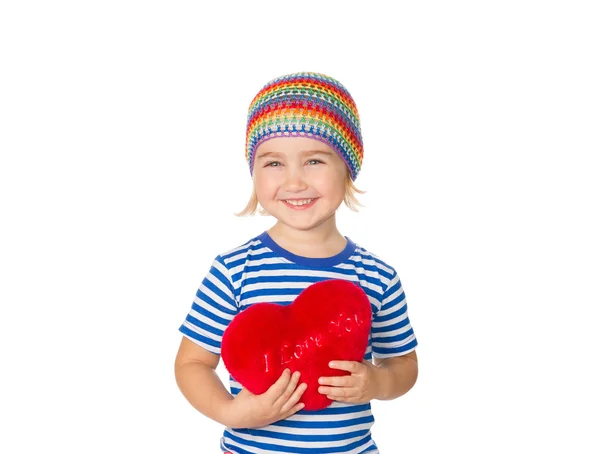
(299, 202)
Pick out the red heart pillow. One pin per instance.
(329, 320)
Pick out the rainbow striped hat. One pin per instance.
(309, 105)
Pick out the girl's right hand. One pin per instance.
(280, 401)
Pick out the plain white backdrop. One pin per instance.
(122, 161)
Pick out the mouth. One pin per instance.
(299, 204)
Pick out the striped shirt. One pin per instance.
(262, 271)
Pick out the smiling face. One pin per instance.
(299, 181)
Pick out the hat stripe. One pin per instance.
(295, 110)
(311, 87)
(346, 112)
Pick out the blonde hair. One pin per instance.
(350, 199)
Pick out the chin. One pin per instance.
(306, 225)
(301, 227)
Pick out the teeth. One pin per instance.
(299, 202)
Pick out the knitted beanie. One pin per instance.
(306, 105)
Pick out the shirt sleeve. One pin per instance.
(212, 309)
(391, 331)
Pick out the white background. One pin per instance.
(122, 128)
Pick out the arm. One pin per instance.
(393, 336)
(199, 383)
(395, 376)
(199, 352)
(394, 372)
(212, 310)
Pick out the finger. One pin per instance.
(340, 399)
(287, 392)
(332, 392)
(279, 386)
(294, 398)
(346, 381)
(350, 366)
(294, 410)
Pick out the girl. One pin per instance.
(304, 150)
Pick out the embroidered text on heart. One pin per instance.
(345, 323)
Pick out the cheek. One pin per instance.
(264, 184)
(334, 186)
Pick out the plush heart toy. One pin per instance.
(329, 320)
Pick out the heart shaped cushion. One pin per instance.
(329, 320)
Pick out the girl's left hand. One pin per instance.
(360, 387)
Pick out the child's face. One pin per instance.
(299, 181)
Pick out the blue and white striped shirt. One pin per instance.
(262, 271)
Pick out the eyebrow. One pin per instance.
(266, 154)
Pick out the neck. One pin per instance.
(323, 240)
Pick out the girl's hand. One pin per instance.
(358, 388)
(280, 401)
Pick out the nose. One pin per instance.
(294, 182)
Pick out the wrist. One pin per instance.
(227, 414)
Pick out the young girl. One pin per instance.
(304, 149)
